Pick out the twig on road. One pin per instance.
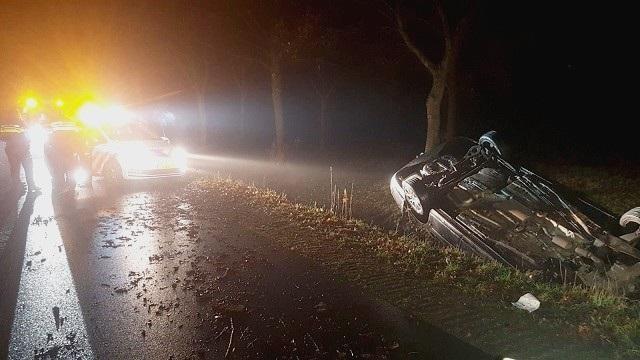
(314, 342)
(221, 332)
(230, 339)
(242, 333)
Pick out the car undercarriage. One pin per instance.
(470, 196)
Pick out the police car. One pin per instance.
(131, 150)
(7, 131)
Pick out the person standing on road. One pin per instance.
(18, 154)
(63, 152)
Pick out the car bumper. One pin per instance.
(134, 174)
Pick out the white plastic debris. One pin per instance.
(527, 302)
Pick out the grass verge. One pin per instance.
(421, 268)
(616, 188)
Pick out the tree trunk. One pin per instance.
(452, 110)
(452, 90)
(241, 82)
(278, 117)
(324, 123)
(443, 73)
(243, 116)
(434, 103)
(202, 118)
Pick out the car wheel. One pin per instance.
(113, 175)
(631, 218)
(417, 198)
(494, 141)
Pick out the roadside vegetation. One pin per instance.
(421, 276)
(615, 187)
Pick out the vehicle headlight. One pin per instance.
(412, 197)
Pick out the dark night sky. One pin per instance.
(553, 76)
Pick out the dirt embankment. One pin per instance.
(466, 296)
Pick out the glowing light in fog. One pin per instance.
(95, 115)
(30, 103)
(37, 134)
(179, 157)
(81, 176)
(89, 114)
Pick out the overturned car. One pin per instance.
(470, 196)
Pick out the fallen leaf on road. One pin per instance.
(238, 308)
(321, 307)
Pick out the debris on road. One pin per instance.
(56, 316)
(119, 290)
(527, 302)
(321, 307)
(230, 309)
(230, 339)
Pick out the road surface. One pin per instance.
(162, 272)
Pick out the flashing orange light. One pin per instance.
(30, 103)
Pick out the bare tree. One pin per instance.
(284, 43)
(195, 42)
(197, 71)
(274, 32)
(276, 58)
(323, 52)
(324, 86)
(443, 71)
(239, 70)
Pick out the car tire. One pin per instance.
(422, 195)
(493, 140)
(631, 218)
(423, 218)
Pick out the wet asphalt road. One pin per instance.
(153, 272)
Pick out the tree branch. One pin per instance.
(430, 65)
(457, 35)
(446, 33)
(463, 26)
(387, 13)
